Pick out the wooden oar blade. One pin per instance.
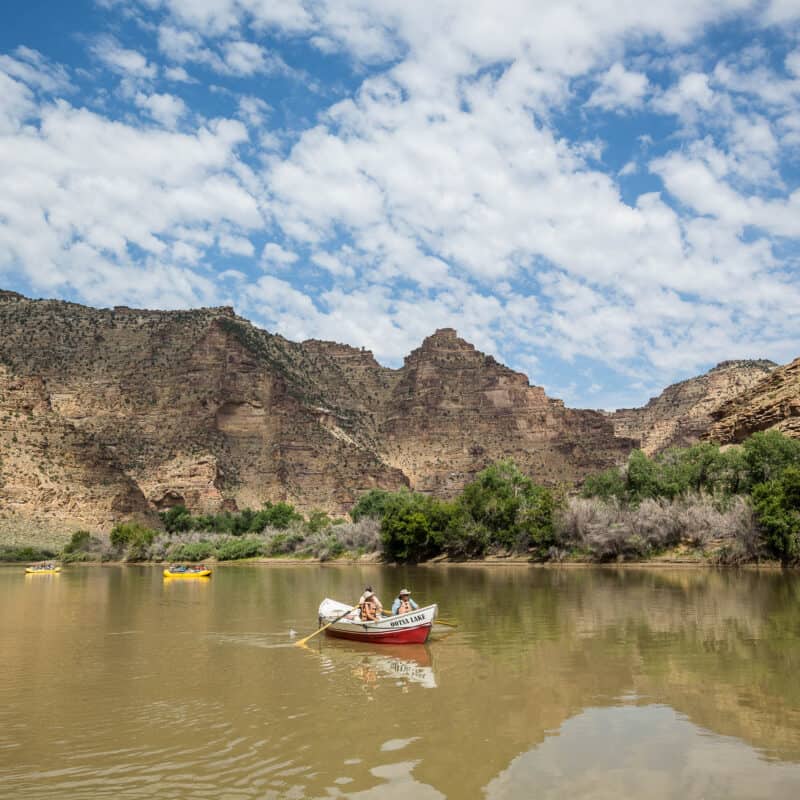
(302, 642)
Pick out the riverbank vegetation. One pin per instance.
(731, 506)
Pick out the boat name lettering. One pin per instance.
(407, 620)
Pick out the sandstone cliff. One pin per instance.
(771, 403)
(53, 476)
(682, 413)
(111, 413)
(202, 408)
(452, 410)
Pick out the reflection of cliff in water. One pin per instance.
(617, 747)
(722, 648)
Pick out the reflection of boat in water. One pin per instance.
(43, 569)
(176, 571)
(399, 664)
(411, 628)
(417, 669)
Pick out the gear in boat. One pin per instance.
(190, 571)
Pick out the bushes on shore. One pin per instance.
(271, 515)
(747, 498)
(24, 553)
(605, 530)
(701, 468)
(132, 542)
(738, 504)
(777, 507)
(502, 510)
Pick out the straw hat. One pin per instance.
(402, 592)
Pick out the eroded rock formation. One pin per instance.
(111, 413)
(682, 413)
(772, 403)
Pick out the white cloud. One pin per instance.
(244, 58)
(780, 12)
(80, 194)
(441, 192)
(236, 245)
(177, 74)
(689, 98)
(33, 69)
(163, 108)
(619, 88)
(273, 253)
(253, 110)
(125, 62)
(18, 104)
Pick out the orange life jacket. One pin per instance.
(405, 607)
(369, 610)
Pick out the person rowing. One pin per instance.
(369, 605)
(403, 603)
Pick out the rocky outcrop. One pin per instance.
(772, 403)
(453, 410)
(110, 413)
(52, 474)
(683, 412)
(204, 409)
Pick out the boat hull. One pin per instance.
(30, 571)
(412, 628)
(412, 636)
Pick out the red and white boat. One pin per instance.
(411, 628)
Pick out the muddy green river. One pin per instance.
(558, 683)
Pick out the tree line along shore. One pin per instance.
(701, 503)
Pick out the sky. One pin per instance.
(602, 194)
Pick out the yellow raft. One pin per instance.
(42, 570)
(195, 573)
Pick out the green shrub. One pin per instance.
(371, 504)
(191, 551)
(413, 526)
(233, 549)
(177, 519)
(605, 485)
(79, 542)
(279, 544)
(777, 509)
(766, 455)
(25, 553)
(133, 536)
(277, 515)
(515, 513)
(701, 468)
(464, 537)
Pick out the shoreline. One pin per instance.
(511, 561)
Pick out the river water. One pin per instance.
(578, 683)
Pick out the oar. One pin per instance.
(319, 630)
(442, 622)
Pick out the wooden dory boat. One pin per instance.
(411, 628)
(42, 570)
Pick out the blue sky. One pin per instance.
(603, 195)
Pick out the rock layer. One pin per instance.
(202, 408)
(113, 413)
(683, 412)
(772, 403)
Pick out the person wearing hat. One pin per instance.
(369, 604)
(403, 603)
